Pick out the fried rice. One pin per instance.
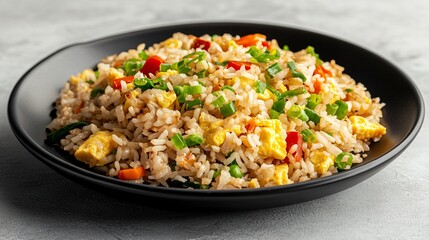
(216, 112)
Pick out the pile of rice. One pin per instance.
(141, 123)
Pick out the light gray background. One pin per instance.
(38, 203)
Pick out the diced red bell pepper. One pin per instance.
(251, 39)
(237, 65)
(117, 82)
(292, 138)
(201, 43)
(152, 65)
(266, 44)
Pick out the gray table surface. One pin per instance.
(38, 203)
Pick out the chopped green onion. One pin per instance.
(331, 109)
(294, 92)
(312, 115)
(224, 63)
(178, 141)
(261, 56)
(142, 83)
(97, 74)
(342, 109)
(194, 140)
(164, 67)
(274, 69)
(295, 73)
(308, 135)
(235, 171)
(199, 56)
(219, 102)
(202, 74)
(180, 93)
(348, 90)
(229, 155)
(132, 66)
(273, 91)
(274, 114)
(340, 164)
(55, 136)
(260, 86)
(143, 55)
(158, 83)
(310, 50)
(214, 36)
(216, 173)
(96, 91)
(196, 102)
(285, 47)
(294, 111)
(228, 109)
(279, 105)
(90, 82)
(303, 116)
(313, 101)
(191, 90)
(228, 88)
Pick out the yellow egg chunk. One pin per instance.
(321, 161)
(96, 148)
(273, 144)
(366, 130)
(254, 183)
(166, 99)
(114, 74)
(215, 135)
(280, 176)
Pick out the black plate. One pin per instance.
(31, 99)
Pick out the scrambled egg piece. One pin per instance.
(96, 148)
(167, 74)
(114, 74)
(321, 161)
(366, 130)
(329, 91)
(280, 176)
(254, 183)
(273, 144)
(243, 81)
(232, 43)
(214, 134)
(172, 43)
(266, 95)
(85, 75)
(166, 99)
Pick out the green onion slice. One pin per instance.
(274, 69)
(194, 104)
(279, 105)
(227, 88)
(308, 135)
(96, 91)
(228, 109)
(313, 101)
(312, 115)
(132, 66)
(219, 102)
(55, 136)
(260, 86)
(294, 92)
(310, 50)
(178, 141)
(295, 73)
(194, 140)
(143, 55)
(342, 109)
(274, 114)
(340, 164)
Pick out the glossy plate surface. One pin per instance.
(30, 105)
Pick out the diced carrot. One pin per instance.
(323, 72)
(131, 173)
(152, 65)
(317, 86)
(117, 82)
(266, 44)
(251, 39)
(79, 107)
(237, 65)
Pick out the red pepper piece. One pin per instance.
(237, 65)
(152, 65)
(201, 43)
(292, 138)
(117, 82)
